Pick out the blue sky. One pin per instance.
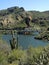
(38, 5)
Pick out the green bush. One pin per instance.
(4, 52)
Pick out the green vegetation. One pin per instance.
(15, 17)
(4, 51)
(30, 56)
(43, 36)
(13, 55)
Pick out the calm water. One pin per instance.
(26, 40)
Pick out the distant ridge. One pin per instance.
(14, 16)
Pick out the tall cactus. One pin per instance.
(13, 42)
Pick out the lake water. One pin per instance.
(26, 40)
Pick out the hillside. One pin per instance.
(15, 17)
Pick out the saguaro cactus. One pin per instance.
(13, 42)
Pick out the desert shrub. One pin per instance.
(4, 52)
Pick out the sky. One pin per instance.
(38, 5)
